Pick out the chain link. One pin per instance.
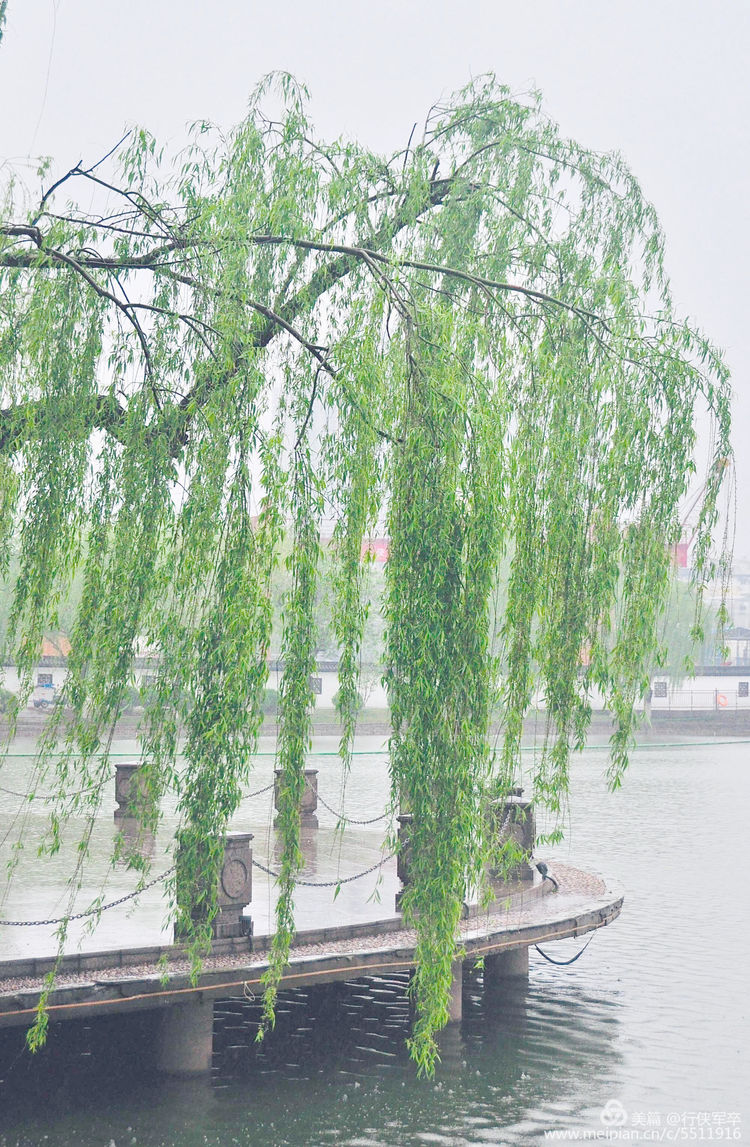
(327, 883)
(259, 792)
(349, 819)
(503, 832)
(164, 875)
(55, 796)
(88, 911)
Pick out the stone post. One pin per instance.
(309, 806)
(235, 887)
(135, 840)
(403, 856)
(514, 818)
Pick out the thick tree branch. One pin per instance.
(19, 423)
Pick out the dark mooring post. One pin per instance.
(309, 806)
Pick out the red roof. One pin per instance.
(57, 646)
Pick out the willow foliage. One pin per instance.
(267, 335)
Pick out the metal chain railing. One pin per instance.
(259, 792)
(88, 911)
(55, 796)
(349, 819)
(98, 785)
(95, 911)
(327, 883)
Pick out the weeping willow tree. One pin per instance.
(264, 336)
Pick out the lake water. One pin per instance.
(649, 1026)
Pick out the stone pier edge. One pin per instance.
(139, 992)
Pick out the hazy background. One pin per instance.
(664, 82)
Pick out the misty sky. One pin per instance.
(664, 82)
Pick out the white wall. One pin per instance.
(9, 680)
(375, 695)
(702, 694)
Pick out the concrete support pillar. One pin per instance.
(455, 1006)
(186, 1038)
(510, 965)
(452, 1047)
(309, 806)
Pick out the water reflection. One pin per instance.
(135, 841)
(335, 1067)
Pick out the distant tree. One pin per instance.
(67, 607)
(689, 636)
(472, 341)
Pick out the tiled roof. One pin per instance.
(57, 646)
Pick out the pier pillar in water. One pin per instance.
(309, 806)
(455, 1004)
(185, 1039)
(510, 965)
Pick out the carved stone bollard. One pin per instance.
(514, 818)
(135, 840)
(235, 887)
(131, 793)
(309, 806)
(403, 856)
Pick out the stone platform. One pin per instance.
(349, 884)
(130, 979)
